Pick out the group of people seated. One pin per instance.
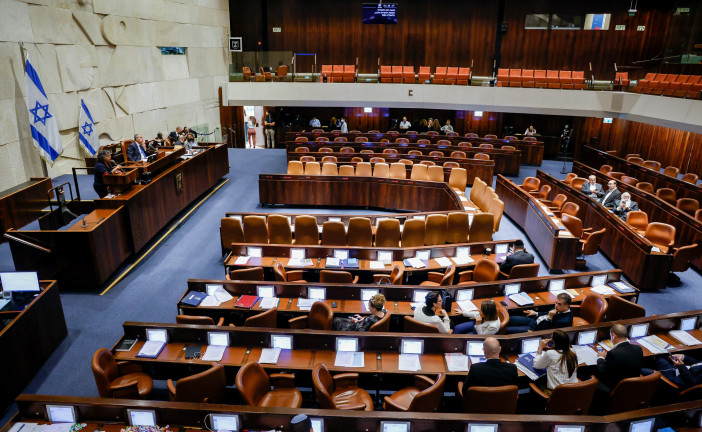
(619, 202)
(184, 136)
(425, 125)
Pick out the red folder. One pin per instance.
(246, 301)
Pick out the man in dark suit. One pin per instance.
(494, 372)
(137, 149)
(611, 195)
(625, 205)
(174, 135)
(559, 316)
(622, 361)
(592, 188)
(683, 370)
(520, 256)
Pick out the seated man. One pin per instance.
(137, 150)
(624, 205)
(622, 361)
(592, 188)
(682, 370)
(559, 316)
(494, 372)
(611, 195)
(433, 313)
(519, 256)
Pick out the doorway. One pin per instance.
(258, 138)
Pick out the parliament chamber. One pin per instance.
(394, 216)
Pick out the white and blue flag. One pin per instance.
(45, 132)
(87, 135)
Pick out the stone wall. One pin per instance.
(108, 53)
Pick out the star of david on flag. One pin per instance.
(43, 125)
(87, 136)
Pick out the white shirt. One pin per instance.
(442, 323)
(405, 125)
(344, 127)
(447, 128)
(315, 123)
(486, 327)
(556, 372)
(607, 195)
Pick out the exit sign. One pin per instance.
(277, 29)
(641, 28)
(620, 27)
(682, 10)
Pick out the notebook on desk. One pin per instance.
(246, 301)
(622, 287)
(350, 263)
(194, 298)
(525, 363)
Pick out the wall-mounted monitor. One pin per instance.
(379, 13)
(157, 335)
(394, 426)
(225, 422)
(475, 427)
(281, 341)
(141, 417)
(61, 414)
(412, 346)
(645, 425)
(638, 330)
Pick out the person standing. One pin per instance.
(565, 138)
(269, 126)
(251, 131)
(343, 126)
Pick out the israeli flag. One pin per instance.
(87, 134)
(45, 132)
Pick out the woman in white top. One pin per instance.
(486, 320)
(560, 362)
(530, 131)
(433, 313)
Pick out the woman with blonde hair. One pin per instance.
(376, 305)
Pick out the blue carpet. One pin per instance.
(151, 290)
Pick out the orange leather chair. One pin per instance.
(198, 320)
(482, 227)
(698, 215)
(246, 71)
(671, 171)
(489, 400)
(394, 278)
(281, 73)
(458, 179)
(542, 194)
(230, 231)
(320, 317)
(361, 139)
(255, 229)
(654, 165)
(424, 396)
(616, 174)
(485, 271)
(629, 180)
(306, 230)
(633, 393)
(383, 325)
(522, 271)
(413, 233)
(481, 156)
(267, 319)
(660, 234)
(667, 195)
(619, 308)
(590, 244)
(458, 227)
(464, 144)
(349, 75)
(688, 205)
(424, 74)
(254, 384)
(690, 178)
(360, 232)
(283, 275)
(621, 79)
(302, 149)
(205, 387)
(414, 326)
(606, 169)
(577, 183)
(572, 224)
(440, 279)
(333, 233)
(463, 76)
(279, 231)
(387, 234)
(385, 74)
(408, 74)
(295, 168)
(557, 202)
(458, 154)
(683, 256)
(436, 229)
(637, 219)
(531, 184)
(592, 310)
(340, 391)
(645, 186)
(121, 380)
(568, 399)
(332, 276)
(396, 74)
(540, 79)
(570, 208)
(569, 178)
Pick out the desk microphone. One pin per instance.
(85, 224)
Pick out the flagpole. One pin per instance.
(25, 54)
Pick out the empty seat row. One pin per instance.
(372, 160)
(386, 151)
(442, 75)
(338, 73)
(541, 79)
(656, 166)
(669, 85)
(486, 200)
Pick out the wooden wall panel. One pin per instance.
(488, 123)
(378, 119)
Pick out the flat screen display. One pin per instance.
(377, 13)
(225, 422)
(412, 346)
(142, 417)
(20, 281)
(61, 414)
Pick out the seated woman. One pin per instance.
(359, 323)
(104, 165)
(560, 362)
(433, 312)
(486, 320)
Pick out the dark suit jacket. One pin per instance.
(622, 213)
(492, 373)
(521, 257)
(588, 190)
(559, 320)
(173, 135)
(622, 362)
(612, 198)
(133, 153)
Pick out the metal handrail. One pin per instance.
(27, 243)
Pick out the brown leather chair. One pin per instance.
(283, 275)
(121, 380)
(394, 278)
(414, 326)
(424, 396)
(616, 174)
(387, 234)
(481, 156)
(247, 274)
(521, 271)
(440, 279)
(569, 178)
(570, 208)
(592, 310)
(481, 228)
(485, 271)
(246, 72)
(458, 227)
(267, 319)
(383, 325)
(347, 171)
(458, 179)
(254, 384)
(390, 151)
(619, 308)
(198, 320)
(320, 317)
(381, 170)
(452, 165)
(698, 215)
(306, 230)
(205, 387)
(485, 146)
(667, 195)
(360, 232)
(606, 169)
(340, 391)
(557, 202)
(543, 192)
(307, 159)
(279, 231)
(363, 169)
(568, 399)
(489, 400)
(346, 149)
(230, 231)
(334, 276)
(436, 229)
(413, 233)
(436, 153)
(635, 160)
(660, 234)
(325, 150)
(313, 168)
(531, 184)
(689, 178)
(633, 393)
(503, 315)
(419, 172)
(577, 183)
(637, 219)
(683, 256)
(415, 152)
(645, 186)
(458, 154)
(508, 147)
(631, 181)
(296, 168)
(590, 244)
(398, 170)
(671, 171)
(688, 205)
(572, 224)
(654, 165)
(329, 166)
(434, 173)
(333, 233)
(255, 229)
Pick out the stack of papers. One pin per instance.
(269, 355)
(466, 305)
(684, 337)
(269, 302)
(415, 263)
(456, 362)
(443, 261)
(654, 344)
(463, 198)
(462, 260)
(242, 260)
(333, 262)
(522, 299)
(409, 362)
(214, 353)
(556, 292)
(622, 287)
(585, 355)
(151, 349)
(349, 359)
(299, 262)
(210, 301)
(305, 304)
(603, 290)
(377, 265)
(606, 345)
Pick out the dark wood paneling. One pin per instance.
(23, 203)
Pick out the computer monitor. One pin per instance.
(385, 256)
(501, 248)
(20, 282)
(297, 253)
(569, 428)
(688, 323)
(61, 414)
(341, 254)
(530, 345)
(368, 293)
(266, 291)
(475, 349)
(141, 417)
(334, 219)
(212, 288)
(556, 284)
(638, 330)
(316, 293)
(475, 427)
(419, 296)
(463, 252)
(282, 342)
(346, 344)
(412, 346)
(218, 338)
(157, 335)
(598, 280)
(423, 255)
(254, 252)
(317, 424)
(587, 337)
(512, 289)
(225, 422)
(464, 294)
(394, 426)
(645, 425)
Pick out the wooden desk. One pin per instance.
(629, 250)
(595, 158)
(180, 416)
(23, 203)
(688, 230)
(368, 192)
(27, 341)
(85, 257)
